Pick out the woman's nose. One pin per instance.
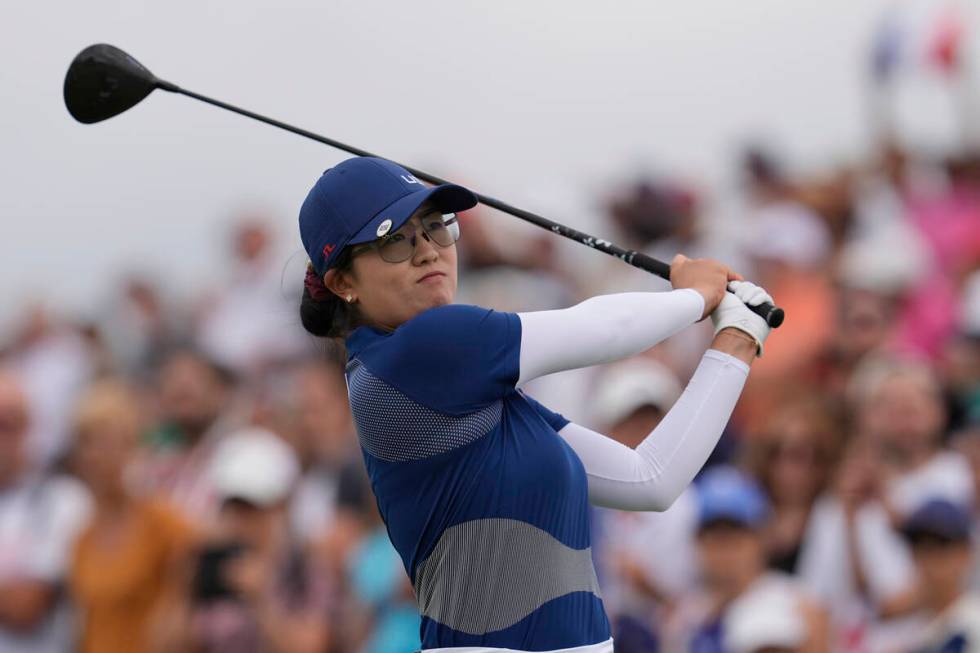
(425, 249)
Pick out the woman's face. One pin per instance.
(389, 294)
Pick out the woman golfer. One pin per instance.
(484, 491)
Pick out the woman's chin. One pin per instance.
(440, 299)
(438, 295)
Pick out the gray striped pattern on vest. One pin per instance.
(394, 428)
(487, 574)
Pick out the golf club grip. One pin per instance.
(773, 315)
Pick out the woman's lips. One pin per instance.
(431, 276)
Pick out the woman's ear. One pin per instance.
(339, 283)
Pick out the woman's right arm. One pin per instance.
(612, 327)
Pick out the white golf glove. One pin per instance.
(733, 312)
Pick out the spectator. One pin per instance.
(792, 460)
(865, 324)
(53, 363)
(961, 358)
(967, 442)
(948, 222)
(661, 217)
(789, 247)
(123, 561)
(251, 586)
(939, 535)
(248, 324)
(731, 549)
(646, 559)
(852, 559)
(322, 434)
(383, 616)
(657, 212)
(197, 409)
(39, 519)
(900, 407)
(139, 327)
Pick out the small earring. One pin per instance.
(350, 299)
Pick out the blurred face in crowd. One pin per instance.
(905, 415)
(107, 430)
(14, 422)
(251, 241)
(324, 419)
(192, 394)
(731, 556)
(865, 322)
(637, 426)
(389, 294)
(796, 449)
(943, 565)
(144, 297)
(250, 524)
(961, 363)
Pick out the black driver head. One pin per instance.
(103, 81)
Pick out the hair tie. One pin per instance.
(314, 285)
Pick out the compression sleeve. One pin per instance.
(654, 474)
(602, 329)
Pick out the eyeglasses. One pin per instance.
(400, 245)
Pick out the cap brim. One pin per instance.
(448, 198)
(730, 515)
(924, 531)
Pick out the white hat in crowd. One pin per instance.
(767, 617)
(888, 261)
(789, 233)
(625, 388)
(255, 465)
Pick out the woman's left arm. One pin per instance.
(653, 475)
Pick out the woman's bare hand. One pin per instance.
(708, 277)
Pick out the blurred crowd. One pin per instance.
(182, 473)
(841, 508)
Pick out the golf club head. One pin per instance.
(103, 81)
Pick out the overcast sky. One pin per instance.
(510, 96)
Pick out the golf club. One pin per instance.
(103, 81)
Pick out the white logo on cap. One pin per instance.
(410, 179)
(383, 228)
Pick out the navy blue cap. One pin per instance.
(354, 201)
(726, 494)
(940, 518)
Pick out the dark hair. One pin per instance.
(323, 313)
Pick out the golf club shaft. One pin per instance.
(771, 314)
